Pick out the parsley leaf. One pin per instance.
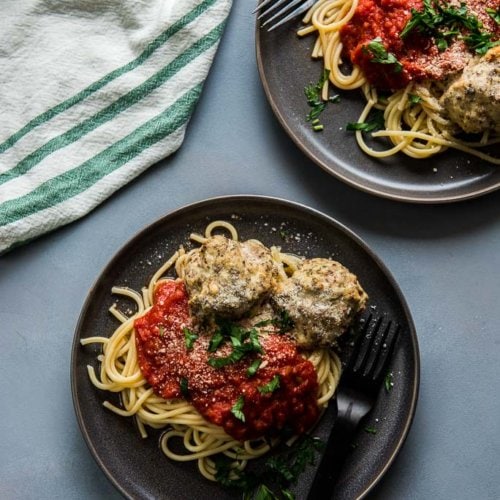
(252, 369)
(183, 384)
(189, 338)
(215, 341)
(285, 235)
(380, 55)
(314, 100)
(313, 90)
(371, 430)
(235, 356)
(283, 322)
(388, 382)
(271, 386)
(244, 342)
(414, 99)
(480, 42)
(264, 493)
(237, 409)
(494, 14)
(376, 123)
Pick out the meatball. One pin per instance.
(472, 101)
(321, 297)
(227, 278)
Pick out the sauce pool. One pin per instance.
(167, 363)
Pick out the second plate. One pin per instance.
(286, 67)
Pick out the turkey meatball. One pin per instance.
(473, 100)
(321, 297)
(227, 278)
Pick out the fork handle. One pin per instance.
(328, 472)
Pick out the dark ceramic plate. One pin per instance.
(286, 67)
(136, 466)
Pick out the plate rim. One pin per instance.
(245, 198)
(432, 200)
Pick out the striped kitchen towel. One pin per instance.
(92, 93)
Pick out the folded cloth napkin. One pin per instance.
(92, 93)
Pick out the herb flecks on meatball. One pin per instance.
(321, 297)
(227, 278)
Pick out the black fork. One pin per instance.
(364, 375)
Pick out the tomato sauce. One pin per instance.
(165, 360)
(419, 56)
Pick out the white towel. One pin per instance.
(92, 93)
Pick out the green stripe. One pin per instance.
(124, 102)
(77, 180)
(148, 51)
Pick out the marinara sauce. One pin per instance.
(167, 362)
(418, 54)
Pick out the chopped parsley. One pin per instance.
(315, 101)
(272, 481)
(371, 430)
(215, 341)
(264, 493)
(244, 342)
(288, 467)
(237, 409)
(376, 123)
(444, 23)
(285, 235)
(283, 322)
(313, 96)
(414, 99)
(221, 362)
(226, 475)
(388, 382)
(494, 14)
(189, 338)
(271, 386)
(380, 55)
(252, 369)
(183, 384)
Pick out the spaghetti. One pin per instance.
(414, 118)
(120, 372)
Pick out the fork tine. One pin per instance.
(299, 10)
(358, 334)
(261, 4)
(373, 349)
(366, 343)
(387, 349)
(272, 7)
(284, 10)
(377, 342)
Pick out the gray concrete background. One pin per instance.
(445, 258)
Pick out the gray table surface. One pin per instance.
(445, 258)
